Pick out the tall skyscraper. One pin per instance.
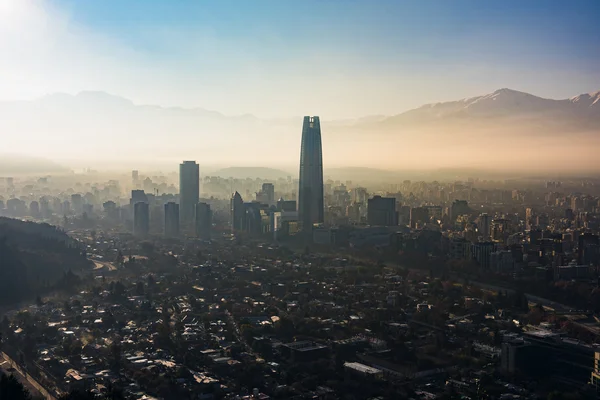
(141, 219)
(171, 219)
(203, 220)
(310, 191)
(189, 193)
(237, 213)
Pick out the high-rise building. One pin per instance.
(310, 191)
(141, 219)
(237, 213)
(111, 211)
(459, 207)
(485, 225)
(268, 192)
(203, 220)
(588, 252)
(138, 196)
(171, 219)
(418, 217)
(77, 203)
(189, 193)
(381, 211)
(34, 209)
(481, 252)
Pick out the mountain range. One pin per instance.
(507, 104)
(96, 128)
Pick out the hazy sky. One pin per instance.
(278, 58)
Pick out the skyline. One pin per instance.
(259, 58)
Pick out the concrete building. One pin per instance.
(189, 193)
(203, 220)
(502, 261)
(141, 219)
(418, 217)
(381, 211)
(459, 207)
(171, 219)
(267, 194)
(460, 249)
(482, 253)
(484, 226)
(237, 213)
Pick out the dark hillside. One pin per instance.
(35, 258)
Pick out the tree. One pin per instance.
(12, 389)
(139, 288)
(115, 355)
(119, 289)
(78, 395)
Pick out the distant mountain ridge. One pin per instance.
(503, 103)
(99, 127)
(251, 172)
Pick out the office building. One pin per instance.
(482, 253)
(286, 205)
(484, 226)
(459, 207)
(502, 261)
(141, 219)
(268, 193)
(189, 193)
(418, 217)
(203, 220)
(138, 196)
(310, 190)
(171, 219)
(460, 249)
(111, 211)
(237, 213)
(549, 356)
(381, 211)
(588, 249)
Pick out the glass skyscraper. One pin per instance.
(310, 191)
(189, 193)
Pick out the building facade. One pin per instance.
(171, 219)
(310, 191)
(141, 219)
(381, 211)
(189, 193)
(203, 220)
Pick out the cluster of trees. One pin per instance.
(34, 258)
(12, 389)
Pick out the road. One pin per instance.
(7, 369)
